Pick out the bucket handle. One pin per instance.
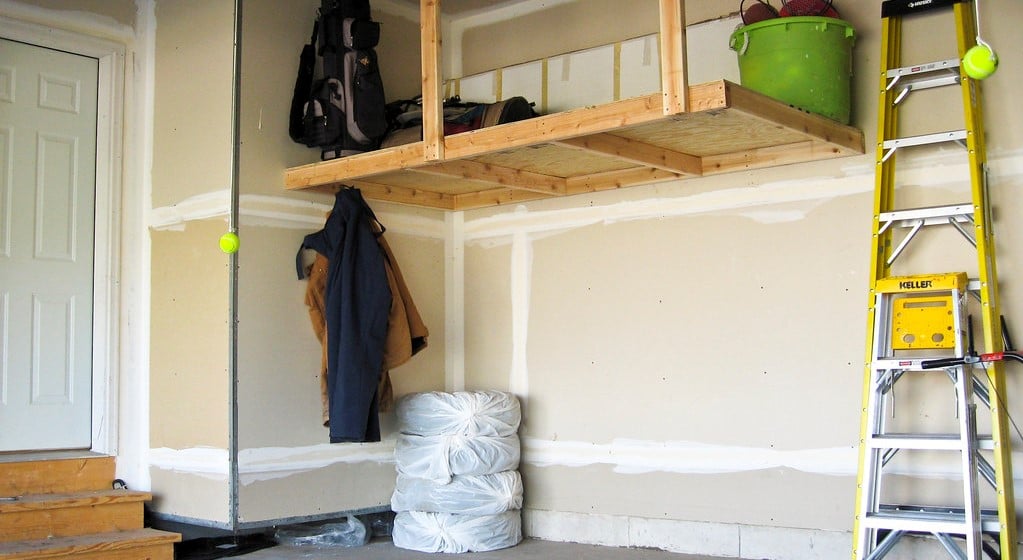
(745, 43)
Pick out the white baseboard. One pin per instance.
(711, 539)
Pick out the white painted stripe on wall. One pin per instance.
(198, 207)
(267, 463)
(941, 169)
(282, 212)
(629, 456)
(638, 457)
(521, 280)
(207, 462)
(625, 456)
(454, 303)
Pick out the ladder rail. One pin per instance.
(883, 190)
(972, 90)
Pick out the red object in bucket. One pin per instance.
(758, 11)
(808, 8)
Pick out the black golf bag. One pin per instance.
(343, 111)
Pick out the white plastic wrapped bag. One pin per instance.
(468, 413)
(447, 532)
(438, 458)
(469, 495)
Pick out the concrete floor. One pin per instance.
(529, 549)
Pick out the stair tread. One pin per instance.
(57, 546)
(71, 474)
(71, 499)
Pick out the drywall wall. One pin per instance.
(359, 486)
(279, 436)
(687, 455)
(189, 384)
(189, 402)
(399, 55)
(192, 102)
(690, 354)
(190, 340)
(181, 493)
(287, 468)
(628, 302)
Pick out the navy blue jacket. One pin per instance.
(357, 300)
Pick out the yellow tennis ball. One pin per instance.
(229, 242)
(980, 62)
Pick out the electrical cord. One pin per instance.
(1001, 402)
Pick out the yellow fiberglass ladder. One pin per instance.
(920, 331)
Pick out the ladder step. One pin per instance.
(923, 76)
(925, 139)
(933, 215)
(906, 364)
(928, 519)
(937, 442)
(953, 523)
(942, 66)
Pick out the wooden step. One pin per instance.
(56, 476)
(139, 544)
(40, 516)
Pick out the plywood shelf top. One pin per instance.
(727, 128)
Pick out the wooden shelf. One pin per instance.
(627, 143)
(719, 127)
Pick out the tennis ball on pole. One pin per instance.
(229, 242)
(980, 62)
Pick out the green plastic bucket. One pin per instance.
(804, 61)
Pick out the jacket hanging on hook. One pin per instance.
(357, 300)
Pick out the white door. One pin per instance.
(47, 203)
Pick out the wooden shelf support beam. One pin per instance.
(497, 175)
(405, 195)
(674, 85)
(638, 152)
(609, 180)
(433, 129)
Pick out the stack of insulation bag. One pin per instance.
(458, 487)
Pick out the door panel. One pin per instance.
(47, 189)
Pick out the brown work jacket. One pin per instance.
(406, 332)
